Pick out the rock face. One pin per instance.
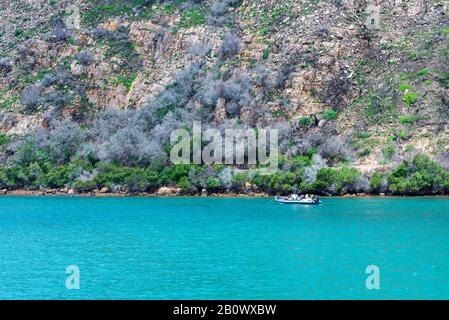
(295, 60)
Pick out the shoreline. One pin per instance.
(52, 193)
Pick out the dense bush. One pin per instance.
(65, 141)
(5, 65)
(305, 122)
(218, 12)
(128, 146)
(219, 8)
(335, 149)
(420, 176)
(278, 183)
(60, 32)
(85, 58)
(31, 97)
(47, 80)
(33, 148)
(235, 92)
(330, 115)
(377, 183)
(230, 46)
(41, 174)
(334, 180)
(298, 174)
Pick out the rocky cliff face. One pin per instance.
(373, 75)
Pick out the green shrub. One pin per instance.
(407, 119)
(364, 135)
(5, 139)
(265, 53)
(305, 122)
(84, 186)
(423, 72)
(185, 184)
(444, 78)
(421, 176)
(238, 180)
(173, 174)
(409, 147)
(330, 114)
(57, 177)
(281, 182)
(109, 174)
(388, 152)
(213, 184)
(410, 98)
(126, 80)
(278, 114)
(376, 182)
(335, 179)
(136, 181)
(301, 161)
(405, 87)
(402, 134)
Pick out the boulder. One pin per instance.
(104, 190)
(166, 191)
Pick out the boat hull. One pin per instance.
(300, 202)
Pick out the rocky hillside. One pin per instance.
(358, 84)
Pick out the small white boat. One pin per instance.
(295, 199)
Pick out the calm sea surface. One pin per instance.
(202, 248)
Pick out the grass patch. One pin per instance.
(278, 114)
(410, 98)
(388, 153)
(126, 80)
(8, 102)
(423, 72)
(405, 87)
(189, 19)
(409, 148)
(408, 119)
(445, 31)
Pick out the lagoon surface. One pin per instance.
(210, 248)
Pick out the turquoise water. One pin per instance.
(201, 248)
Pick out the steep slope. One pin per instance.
(362, 84)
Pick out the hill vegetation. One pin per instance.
(360, 108)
